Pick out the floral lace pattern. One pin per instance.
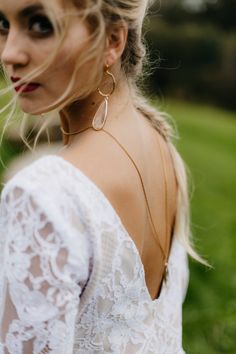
(71, 278)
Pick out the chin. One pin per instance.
(31, 110)
(30, 106)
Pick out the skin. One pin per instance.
(22, 49)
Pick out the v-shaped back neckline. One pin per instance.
(129, 238)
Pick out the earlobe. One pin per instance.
(111, 58)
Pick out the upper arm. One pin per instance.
(44, 270)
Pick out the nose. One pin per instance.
(14, 51)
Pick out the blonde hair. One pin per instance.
(100, 15)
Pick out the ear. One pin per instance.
(115, 42)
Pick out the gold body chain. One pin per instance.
(165, 254)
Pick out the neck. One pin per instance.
(80, 114)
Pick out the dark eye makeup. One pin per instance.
(37, 25)
(40, 25)
(4, 25)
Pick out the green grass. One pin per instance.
(208, 145)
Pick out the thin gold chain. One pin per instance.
(144, 191)
(68, 134)
(165, 254)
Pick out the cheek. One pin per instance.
(61, 71)
(2, 45)
(73, 51)
(58, 76)
(40, 51)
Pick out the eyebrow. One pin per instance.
(28, 11)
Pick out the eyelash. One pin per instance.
(45, 26)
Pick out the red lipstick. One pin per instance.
(27, 87)
(32, 86)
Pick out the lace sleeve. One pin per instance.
(43, 271)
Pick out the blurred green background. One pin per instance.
(194, 44)
(208, 145)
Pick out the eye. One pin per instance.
(40, 25)
(4, 26)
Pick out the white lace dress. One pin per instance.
(71, 277)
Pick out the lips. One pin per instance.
(32, 86)
(27, 87)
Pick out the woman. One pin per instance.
(94, 240)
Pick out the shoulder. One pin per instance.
(62, 189)
(34, 174)
(48, 174)
(46, 182)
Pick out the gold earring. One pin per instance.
(100, 117)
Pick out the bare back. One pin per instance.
(107, 165)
